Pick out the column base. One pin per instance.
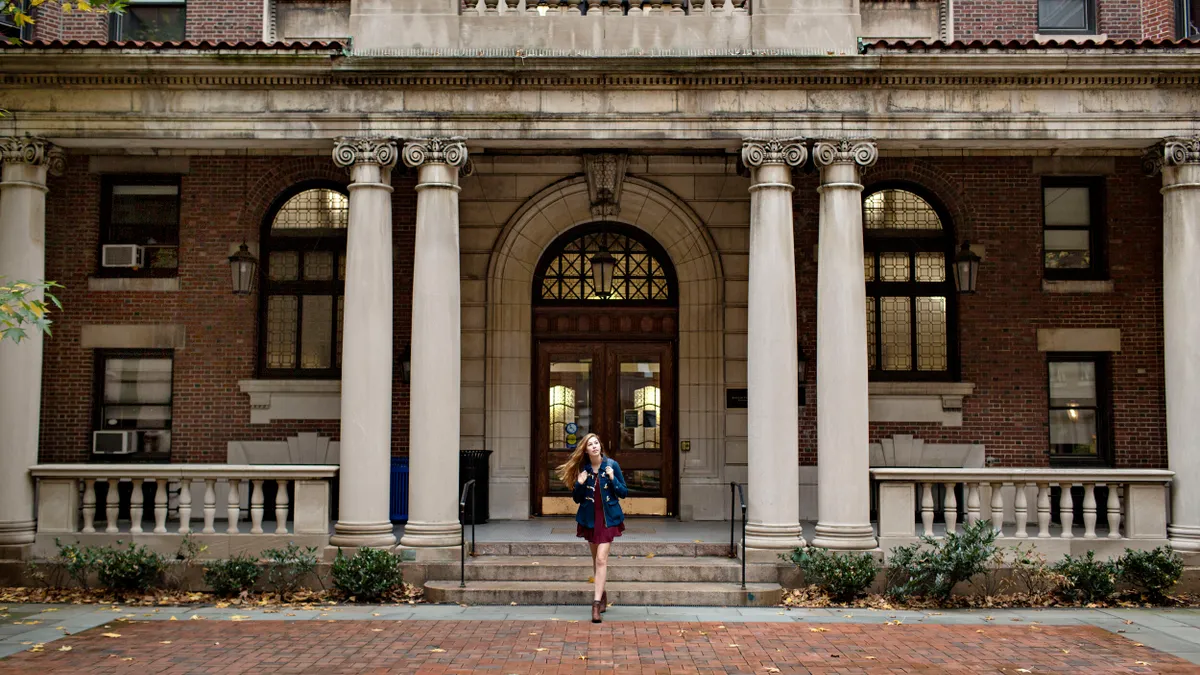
(17, 532)
(431, 535)
(774, 537)
(19, 552)
(845, 537)
(430, 554)
(1184, 537)
(363, 535)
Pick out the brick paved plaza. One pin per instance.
(337, 641)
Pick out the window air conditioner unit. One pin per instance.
(114, 442)
(122, 255)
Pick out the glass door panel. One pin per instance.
(570, 412)
(639, 444)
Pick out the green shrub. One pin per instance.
(232, 576)
(844, 576)
(1154, 573)
(128, 570)
(1086, 579)
(932, 567)
(369, 575)
(72, 562)
(1032, 572)
(186, 558)
(288, 567)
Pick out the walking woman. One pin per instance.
(597, 485)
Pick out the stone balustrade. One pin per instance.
(1133, 504)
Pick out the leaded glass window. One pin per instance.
(910, 292)
(641, 271)
(304, 277)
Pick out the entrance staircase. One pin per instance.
(639, 573)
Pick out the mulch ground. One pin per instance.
(529, 647)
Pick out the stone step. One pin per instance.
(619, 548)
(619, 592)
(572, 568)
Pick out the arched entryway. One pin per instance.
(605, 327)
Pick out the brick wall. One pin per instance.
(1118, 19)
(997, 202)
(229, 20)
(224, 201)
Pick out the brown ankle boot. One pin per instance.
(604, 602)
(596, 611)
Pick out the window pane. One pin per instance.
(341, 322)
(1072, 383)
(283, 266)
(636, 273)
(1067, 206)
(644, 481)
(869, 266)
(144, 214)
(137, 393)
(281, 331)
(316, 333)
(153, 23)
(931, 267)
(1073, 432)
(1068, 249)
(897, 333)
(899, 210)
(640, 389)
(312, 212)
(1062, 14)
(893, 266)
(931, 334)
(318, 266)
(341, 267)
(871, 347)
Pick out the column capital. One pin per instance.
(450, 150)
(860, 151)
(33, 150)
(349, 151)
(758, 152)
(1171, 151)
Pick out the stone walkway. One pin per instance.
(528, 640)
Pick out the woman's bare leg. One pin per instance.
(601, 564)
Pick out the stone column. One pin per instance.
(1179, 160)
(772, 351)
(366, 436)
(22, 258)
(436, 374)
(843, 479)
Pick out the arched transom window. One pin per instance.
(303, 280)
(578, 266)
(910, 292)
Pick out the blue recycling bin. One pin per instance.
(399, 491)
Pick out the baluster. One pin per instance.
(656, 6)
(531, 6)
(185, 505)
(677, 7)
(718, 6)
(234, 505)
(635, 7)
(615, 8)
(111, 504)
(89, 505)
(490, 7)
(1089, 510)
(511, 6)
(210, 505)
(972, 503)
(950, 508)
(281, 507)
(256, 506)
(135, 506)
(739, 6)
(1043, 507)
(160, 506)
(1114, 511)
(1066, 511)
(1021, 510)
(573, 7)
(927, 508)
(996, 507)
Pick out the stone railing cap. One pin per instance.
(194, 471)
(1029, 475)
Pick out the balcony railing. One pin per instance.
(599, 8)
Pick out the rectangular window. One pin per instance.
(1079, 409)
(1187, 19)
(139, 226)
(133, 404)
(1067, 17)
(10, 29)
(1073, 220)
(153, 21)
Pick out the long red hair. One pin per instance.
(574, 464)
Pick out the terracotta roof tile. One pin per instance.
(314, 45)
(1022, 45)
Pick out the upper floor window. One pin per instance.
(1073, 228)
(149, 21)
(12, 28)
(910, 292)
(605, 262)
(133, 404)
(1187, 19)
(1067, 17)
(1079, 409)
(303, 279)
(139, 229)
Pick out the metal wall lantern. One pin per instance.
(406, 364)
(603, 264)
(966, 269)
(243, 267)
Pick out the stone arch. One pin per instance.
(941, 185)
(509, 358)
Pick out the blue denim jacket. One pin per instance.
(611, 491)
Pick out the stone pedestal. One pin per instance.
(436, 348)
(772, 352)
(366, 436)
(843, 472)
(26, 161)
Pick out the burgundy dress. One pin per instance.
(602, 533)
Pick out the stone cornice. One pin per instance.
(31, 150)
(452, 151)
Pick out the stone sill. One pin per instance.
(1078, 286)
(930, 402)
(1063, 37)
(272, 400)
(150, 284)
(921, 388)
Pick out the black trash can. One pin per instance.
(473, 464)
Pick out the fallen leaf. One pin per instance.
(1138, 644)
(771, 669)
(1066, 651)
(649, 555)
(172, 619)
(720, 626)
(238, 617)
(65, 648)
(848, 616)
(978, 631)
(733, 645)
(1024, 670)
(1128, 622)
(195, 617)
(591, 580)
(818, 630)
(377, 613)
(583, 657)
(111, 635)
(438, 651)
(38, 647)
(533, 633)
(164, 642)
(377, 630)
(127, 658)
(869, 658)
(541, 649)
(701, 541)
(511, 603)
(1142, 663)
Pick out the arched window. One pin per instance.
(574, 268)
(910, 290)
(303, 277)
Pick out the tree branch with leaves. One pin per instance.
(23, 304)
(19, 13)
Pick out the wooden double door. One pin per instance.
(623, 391)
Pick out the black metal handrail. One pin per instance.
(736, 491)
(468, 488)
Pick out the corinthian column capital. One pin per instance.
(350, 151)
(860, 151)
(33, 150)
(758, 152)
(441, 150)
